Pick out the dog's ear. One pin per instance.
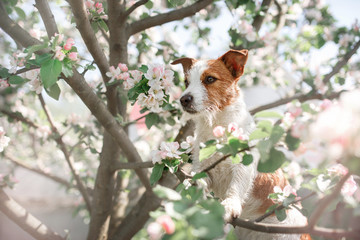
(185, 62)
(235, 61)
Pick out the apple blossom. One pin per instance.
(73, 56)
(171, 149)
(69, 43)
(219, 131)
(123, 67)
(4, 83)
(349, 187)
(4, 140)
(113, 73)
(154, 230)
(167, 224)
(59, 54)
(188, 145)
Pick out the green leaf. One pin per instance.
(247, 159)
(274, 161)
(258, 134)
(289, 200)
(280, 214)
(268, 114)
(103, 25)
(166, 193)
(67, 69)
(206, 152)
(20, 12)
(235, 159)
(176, 3)
(54, 91)
(50, 71)
(34, 48)
(291, 142)
(276, 134)
(149, 5)
(272, 208)
(199, 176)
(4, 73)
(151, 119)
(143, 68)
(14, 79)
(156, 173)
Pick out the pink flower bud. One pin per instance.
(325, 104)
(89, 4)
(98, 5)
(73, 56)
(123, 67)
(124, 76)
(67, 46)
(154, 230)
(219, 131)
(100, 10)
(167, 223)
(70, 41)
(233, 127)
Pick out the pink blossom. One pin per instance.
(59, 54)
(233, 127)
(155, 72)
(60, 38)
(98, 5)
(219, 131)
(325, 104)
(167, 223)
(69, 43)
(123, 67)
(136, 75)
(113, 72)
(338, 169)
(171, 149)
(349, 187)
(100, 10)
(89, 4)
(73, 56)
(123, 76)
(295, 111)
(297, 129)
(4, 83)
(4, 140)
(154, 230)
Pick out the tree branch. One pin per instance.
(39, 171)
(67, 155)
(88, 35)
(325, 201)
(134, 7)
(259, 18)
(25, 220)
(341, 63)
(300, 98)
(167, 17)
(274, 228)
(121, 165)
(19, 117)
(47, 17)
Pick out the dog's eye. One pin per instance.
(209, 80)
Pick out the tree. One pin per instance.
(112, 37)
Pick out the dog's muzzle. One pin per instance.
(187, 103)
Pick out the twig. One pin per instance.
(259, 219)
(39, 171)
(19, 117)
(341, 63)
(300, 98)
(134, 7)
(273, 228)
(25, 220)
(207, 169)
(259, 18)
(23, 70)
(167, 17)
(66, 153)
(324, 202)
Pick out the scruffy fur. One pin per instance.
(242, 190)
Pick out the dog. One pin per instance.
(213, 98)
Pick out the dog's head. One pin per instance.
(212, 85)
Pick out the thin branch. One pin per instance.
(280, 18)
(341, 63)
(19, 117)
(23, 70)
(207, 169)
(300, 98)
(274, 228)
(121, 165)
(47, 17)
(259, 18)
(134, 7)
(167, 17)
(67, 155)
(324, 202)
(88, 35)
(39, 171)
(281, 206)
(25, 220)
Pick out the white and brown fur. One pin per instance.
(218, 101)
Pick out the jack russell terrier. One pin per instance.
(212, 98)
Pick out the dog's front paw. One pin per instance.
(232, 209)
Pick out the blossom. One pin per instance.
(35, 85)
(233, 127)
(155, 71)
(167, 80)
(294, 109)
(123, 67)
(219, 131)
(349, 187)
(154, 230)
(73, 56)
(59, 54)
(167, 224)
(157, 156)
(298, 129)
(188, 145)
(4, 83)
(338, 169)
(113, 72)
(4, 140)
(346, 39)
(171, 149)
(69, 43)
(89, 4)
(43, 131)
(284, 193)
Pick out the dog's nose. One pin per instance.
(186, 100)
